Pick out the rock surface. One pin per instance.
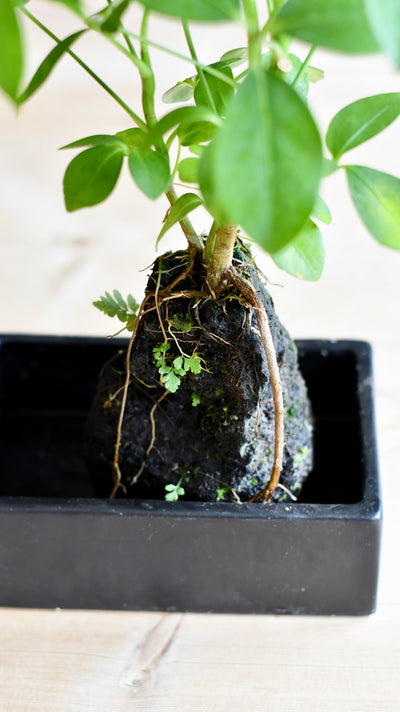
(214, 435)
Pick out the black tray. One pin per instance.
(61, 547)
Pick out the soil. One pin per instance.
(214, 435)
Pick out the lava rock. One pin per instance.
(214, 436)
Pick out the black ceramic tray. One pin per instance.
(61, 547)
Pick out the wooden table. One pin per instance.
(52, 266)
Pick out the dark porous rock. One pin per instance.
(215, 434)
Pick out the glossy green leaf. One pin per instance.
(182, 207)
(376, 197)
(337, 24)
(220, 91)
(183, 117)
(304, 256)
(134, 138)
(302, 84)
(361, 120)
(182, 91)
(384, 17)
(321, 211)
(188, 170)
(11, 50)
(91, 176)
(47, 66)
(236, 56)
(196, 132)
(262, 170)
(150, 171)
(205, 10)
(314, 74)
(96, 140)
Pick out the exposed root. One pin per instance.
(152, 440)
(266, 338)
(116, 473)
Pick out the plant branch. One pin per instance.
(188, 230)
(266, 338)
(200, 71)
(137, 120)
(304, 66)
(205, 67)
(221, 257)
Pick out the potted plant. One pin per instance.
(206, 403)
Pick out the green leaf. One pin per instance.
(183, 117)
(73, 5)
(91, 176)
(337, 24)
(236, 56)
(376, 197)
(182, 91)
(134, 138)
(384, 19)
(315, 74)
(205, 10)
(196, 132)
(220, 91)
(171, 381)
(117, 306)
(184, 205)
(11, 50)
(262, 170)
(113, 14)
(150, 171)
(361, 120)
(321, 211)
(304, 256)
(183, 324)
(303, 83)
(96, 140)
(188, 170)
(47, 66)
(193, 364)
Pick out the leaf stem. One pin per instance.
(304, 66)
(137, 120)
(253, 32)
(200, 71)
(187, 227)
(148, 81)
(205, 67)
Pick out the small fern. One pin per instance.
(172, 374)
(173, 492)
(117, 306)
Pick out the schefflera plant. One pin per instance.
(242, 140)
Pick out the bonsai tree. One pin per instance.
(243, 143)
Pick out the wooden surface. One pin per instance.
(52, 266)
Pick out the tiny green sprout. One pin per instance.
(301, 455)
(254, 481)
(183, 324)
(221, 492)
(172, 373)
(173, 492)
(195, 400)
